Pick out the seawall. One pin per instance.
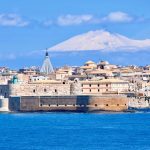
(68, 103)
(4, 104)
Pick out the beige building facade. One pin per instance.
(104, 86)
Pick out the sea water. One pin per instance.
(75, 131)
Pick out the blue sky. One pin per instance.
(29, 26)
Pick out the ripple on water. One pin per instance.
(70, 131)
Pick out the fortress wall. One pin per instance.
(75, 88)
(14, 104)
(139, 103)
(54, 100)
(3, 104)
(29, 103)
(112, 103)
(39, 89)
(69, 103)
(4, 90)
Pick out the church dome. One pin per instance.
(89, 62)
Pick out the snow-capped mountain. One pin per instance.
(101, 40)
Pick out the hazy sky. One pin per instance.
(29, 26)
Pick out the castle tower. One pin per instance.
(47, 67)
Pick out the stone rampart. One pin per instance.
(4, 90)
(75, 87)
(138, 103)
(3, 104)
(68, 103)
(39, 89)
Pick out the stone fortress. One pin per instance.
(88, 88)
(56, 95)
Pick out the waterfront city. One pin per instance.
(91, 87)
(74, 75)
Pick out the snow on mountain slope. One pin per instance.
(101, 40)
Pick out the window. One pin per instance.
(98, 90)
(41, 105)
(55, 91)
(65, 104)
(95, 105)
(117, 104)
(49, 105)
(98, 85)
(45, 90)
(5, 95)
(57, 104)
(34, 91)
(90, 90)
(106, 84)
(106, 104)
(89, 85)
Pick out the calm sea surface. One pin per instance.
(75, 131)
